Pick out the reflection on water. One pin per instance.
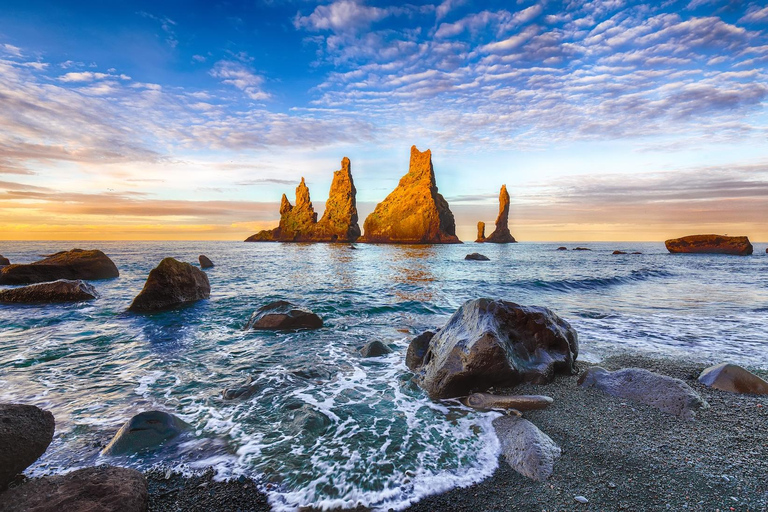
(412, 272)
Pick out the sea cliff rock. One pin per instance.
(528, 450)
(145, 431)
(4, 261)
(74, 264)
(415, 212)
(733, 378)
(501, 234)
(710, 244)
(299, 223)
(205, 262)
(25, 433)
(62, 290)
(281, 315)
(490, 343)
(98, 489)
(171, 284)
(480, 232)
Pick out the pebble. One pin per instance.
(611, 485)
(581, 499)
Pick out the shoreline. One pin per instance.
(619, 455)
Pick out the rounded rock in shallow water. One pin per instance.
(169, 285)
(205, 262)
(476, 256)
(281, 315)
(25, 433)
(145, 431)
(374, 349)
(59, 291)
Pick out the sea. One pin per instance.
(328, 428)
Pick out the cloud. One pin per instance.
(755, 14)
(89, 76)
(9, 49)
(166, 24)
(442, 10)
(342, 16)
(238, 75)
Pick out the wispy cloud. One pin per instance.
(238, 75)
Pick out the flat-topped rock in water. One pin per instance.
(501, 235)
(97, 489)
(582, 249)
(171, 284)
(415, 212)
(489, 343)
(528, 450)
(619, 252)
(4, 261)
(74, 264)
(145, 431)
(62, 290)
(667, 394)
(25, 433)
(281, 315)
(299, 223)
(205, 262)
(733, 378)
(711, 244)
(476, 256)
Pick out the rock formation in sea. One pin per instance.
(488, 343)
(4, 261)
(415, 212)
(480, 232)
(63, 290)
(711, 244)
(25, 433)
(298, 223)
(281, 315)
(374, 348)
(500, 235)
(145, 431)
(205, 262)
(476, 256)
(733, 378)
(169, 285)
(74, 264)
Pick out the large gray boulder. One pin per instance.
(25, 433)
(528, 450)
(145, 431)
(667, 394)
(98, 489)
(282, 315)
(62, 290)
(733, 378)
(489, 343)
(74, 264)
(171, 284)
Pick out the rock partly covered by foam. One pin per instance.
(145, 431)
(299, 223)
(97, 489)
(667, 394)
(710, 244)
(415, 212)
(25, 433)
(528, 450)
(281, 315)
(205, 261)
(490, 343)
(74, 264)
(62, 290)
(374, 349)
(733, 378)
(501, 235)
(172, 283)
(4, 261)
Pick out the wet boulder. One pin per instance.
(4, 261)
(733, 378)
(711, 244)
(97, 489)
(25, 433)
(169, 285)
(528, 450)
(205, 262)
(374, 349)
(145, 431)
(244, 391)
(282, 315)
(667, 394)
(417, 349)
(62, 290)
(476, 256)
(74, 264)
(561, 248)
(489, 343)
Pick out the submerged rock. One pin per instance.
(619, 252)
(62, 290)
(561, 248)
(4, 261)
(205, 262)
(501, 234)
(417, 349)
(581, 249)
(710, 244)
(282, 315)
(299, 223)
(145, 431)
(171, 284)
(486, 401)
(245, 391)
(415, 212)
(528, 450)
(375, 349)
(25, 433)
(667, 394)
(74, 264)
(733, 378)
(480, 232)
(97, 489)
(476, 256)
(496, 343)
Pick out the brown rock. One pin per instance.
(374, 349)
(25, 433)
(417, 349)
(299, 223)
(562, 248)
(169, 285)
(480, 232)
(281, 315)
(581, 249)
(734, 378)
(414, 213)
(501, 234)
(487, 401)
(4, 261)
(205, 262)
(62, 290)
(711, 244)
(98, 489)
(74, 264)
(619, 252)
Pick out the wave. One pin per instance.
(594, 283)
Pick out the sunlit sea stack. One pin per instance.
(501, 235)
(415, 212)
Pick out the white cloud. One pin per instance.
(511, 43)
(342, 16)
(755, 15)
(89, 76)
(239, 76)
(11, 50)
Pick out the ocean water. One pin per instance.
(327, 427)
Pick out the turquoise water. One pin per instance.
(328, 428)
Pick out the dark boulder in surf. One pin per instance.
(4, 261)
(62, 290)
(171, 284)
(476, 256)
(145, 431)
(374, 349)
(711, 244)
(205, 262)
(25, 433)
(562, 248)
(489, 343)
(733, 378)
(417, 349)
(619, 252)
(74, 264)
(581, 249)
(282, 315)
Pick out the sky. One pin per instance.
(607, 120)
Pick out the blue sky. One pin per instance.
(607, 120)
